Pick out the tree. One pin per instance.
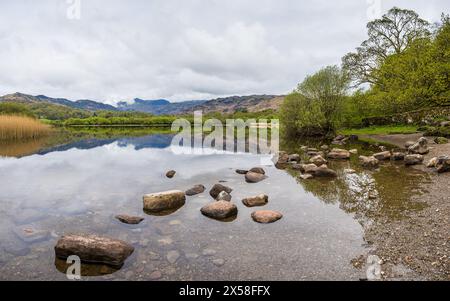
(391, 34)
(315, 106)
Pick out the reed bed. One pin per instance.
(20, 128)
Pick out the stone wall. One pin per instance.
(419, 117)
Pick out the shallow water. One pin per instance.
(79, 187)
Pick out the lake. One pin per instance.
(80, 185)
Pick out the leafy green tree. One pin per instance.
(315, 106)
(391, 34)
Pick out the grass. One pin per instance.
(381, 130)
(21, 128)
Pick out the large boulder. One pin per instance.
(324, 172)
(94, 249)
(260, 200)
(318, 160)
(369, 162)
(414, 159)
(220, 210)
(253, 177)
(340, 154)
(420, 147)
(266, 216)
(162, 201)
(217, 189)
(383, 156)
(197, 189)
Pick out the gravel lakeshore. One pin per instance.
(416, 247)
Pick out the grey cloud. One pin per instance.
(191, 49)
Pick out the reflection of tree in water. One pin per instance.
(388, 192)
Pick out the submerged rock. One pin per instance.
(266, 216)
(308, 168)
(173, 256)
(94, 249)
(383, 156)
(420, 147)
(413, 159)
(29, 234)
(162, 201)
(131, 220)
(197, 189)
(224, 196)
(253, 177)
(217, 189)
(324, 172)
(220, 210)
(170, 174)
(260, 200)
(369, 162)
(340, 154)
(283, 160)
(241, 171)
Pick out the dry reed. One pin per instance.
(19, 128)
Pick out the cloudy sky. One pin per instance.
(113, 50)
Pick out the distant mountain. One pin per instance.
(84, 104)
(232, 104)
(159, 106)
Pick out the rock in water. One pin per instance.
(260, 200)
(217, 189)
(29, 234)
(413, 159)
(324, 172)
(294, 158)
(318, 160)
(397, 156)
(340, 154)
(241, 171)
(94, 249)
(420, 147)
(383, 156)
(408, 144)
(253, 177)
(258, 170)
(308, 168)
(369, 162)
(283, 161)
(266, 216)
(131, 220)
(197, 189)
(224, 196)
(306, 176)
(162, 201)
(170, 174)
(220, 210)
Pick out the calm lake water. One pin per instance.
(79, 186)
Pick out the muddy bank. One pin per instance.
(418, 246)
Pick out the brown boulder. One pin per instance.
(197, 189)
(217, 189)
(340, 154)
(220, 210)
(258, 170)
(162, 201)
(170, 174)
(266, 216)
(383, 156)
(414, 159)
(94, 249)
(398, 156)
(318, 160)
(259, 200)
(253, 177)
(324, 172)
(369, 162)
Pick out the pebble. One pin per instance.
(209, 252)
(155, 275)
(219, 262)
(173, 256)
